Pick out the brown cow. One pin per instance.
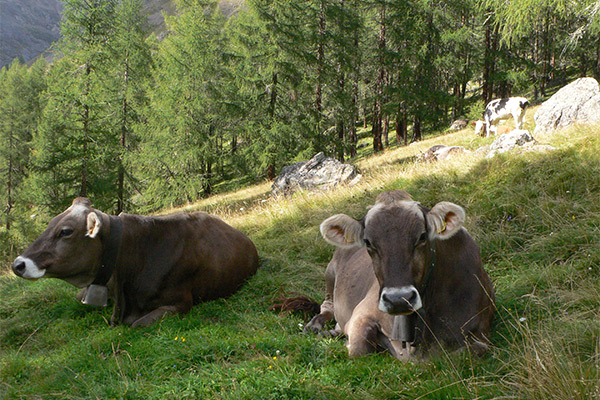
(152, 265)
(405, 278)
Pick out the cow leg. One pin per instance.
(317, 324)
(519, 121)
(154, 315)
(363, 335)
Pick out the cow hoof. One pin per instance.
(314, 329)
(315, 325)
(331, 333)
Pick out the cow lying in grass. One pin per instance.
(153, 265)
(405, 278)
(501, 109)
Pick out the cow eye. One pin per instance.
(65, 232)
(422, 238)
(368, 244)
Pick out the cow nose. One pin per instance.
(403, 300)
(18, 267)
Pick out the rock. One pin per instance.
(509, 141)
(318, 173)
(518, 138)
(459, 124)
(440, 152)
(578, 102)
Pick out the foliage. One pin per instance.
(138, 122)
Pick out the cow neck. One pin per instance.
(405, 326)
(112, 245)
(430, 270)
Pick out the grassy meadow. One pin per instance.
(535, 215)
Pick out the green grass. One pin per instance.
(535, 215)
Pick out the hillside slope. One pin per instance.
(29, 27)
(535, 215)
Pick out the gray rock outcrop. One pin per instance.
(509, 141)
(441, 152)
(318, 173)
(520, 138)
(578, 102)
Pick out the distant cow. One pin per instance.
(152, 265)
(403, 261)
(501, 109)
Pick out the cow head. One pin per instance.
(398, 233)
(69, 249)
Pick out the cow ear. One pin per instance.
(444, 220)
(94, 223)
(342, 231)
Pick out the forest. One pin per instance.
(140, 122)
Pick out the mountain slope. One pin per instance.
(29, 27)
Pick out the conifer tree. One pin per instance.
(75, 149)
(130, 62)
(20, 89)
(185, 125)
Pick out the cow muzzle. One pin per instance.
(404, 300)
(26, 268)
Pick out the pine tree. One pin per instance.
(20, 90)
(185, 126)
(75, 149)
(130, 62)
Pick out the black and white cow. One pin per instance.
(501, 109)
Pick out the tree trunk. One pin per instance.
(486, 92)
(401, 127)
(208, 179)
(272, 103)
(377, 109)
(121, 173)
(86, 134)
(417, 127)
(353, 138)
(9, 203)
(320, 60)
(386, 131)
(340, 129)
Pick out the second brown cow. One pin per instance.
(404, 262)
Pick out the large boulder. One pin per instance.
(318, 173)
(578, 102)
